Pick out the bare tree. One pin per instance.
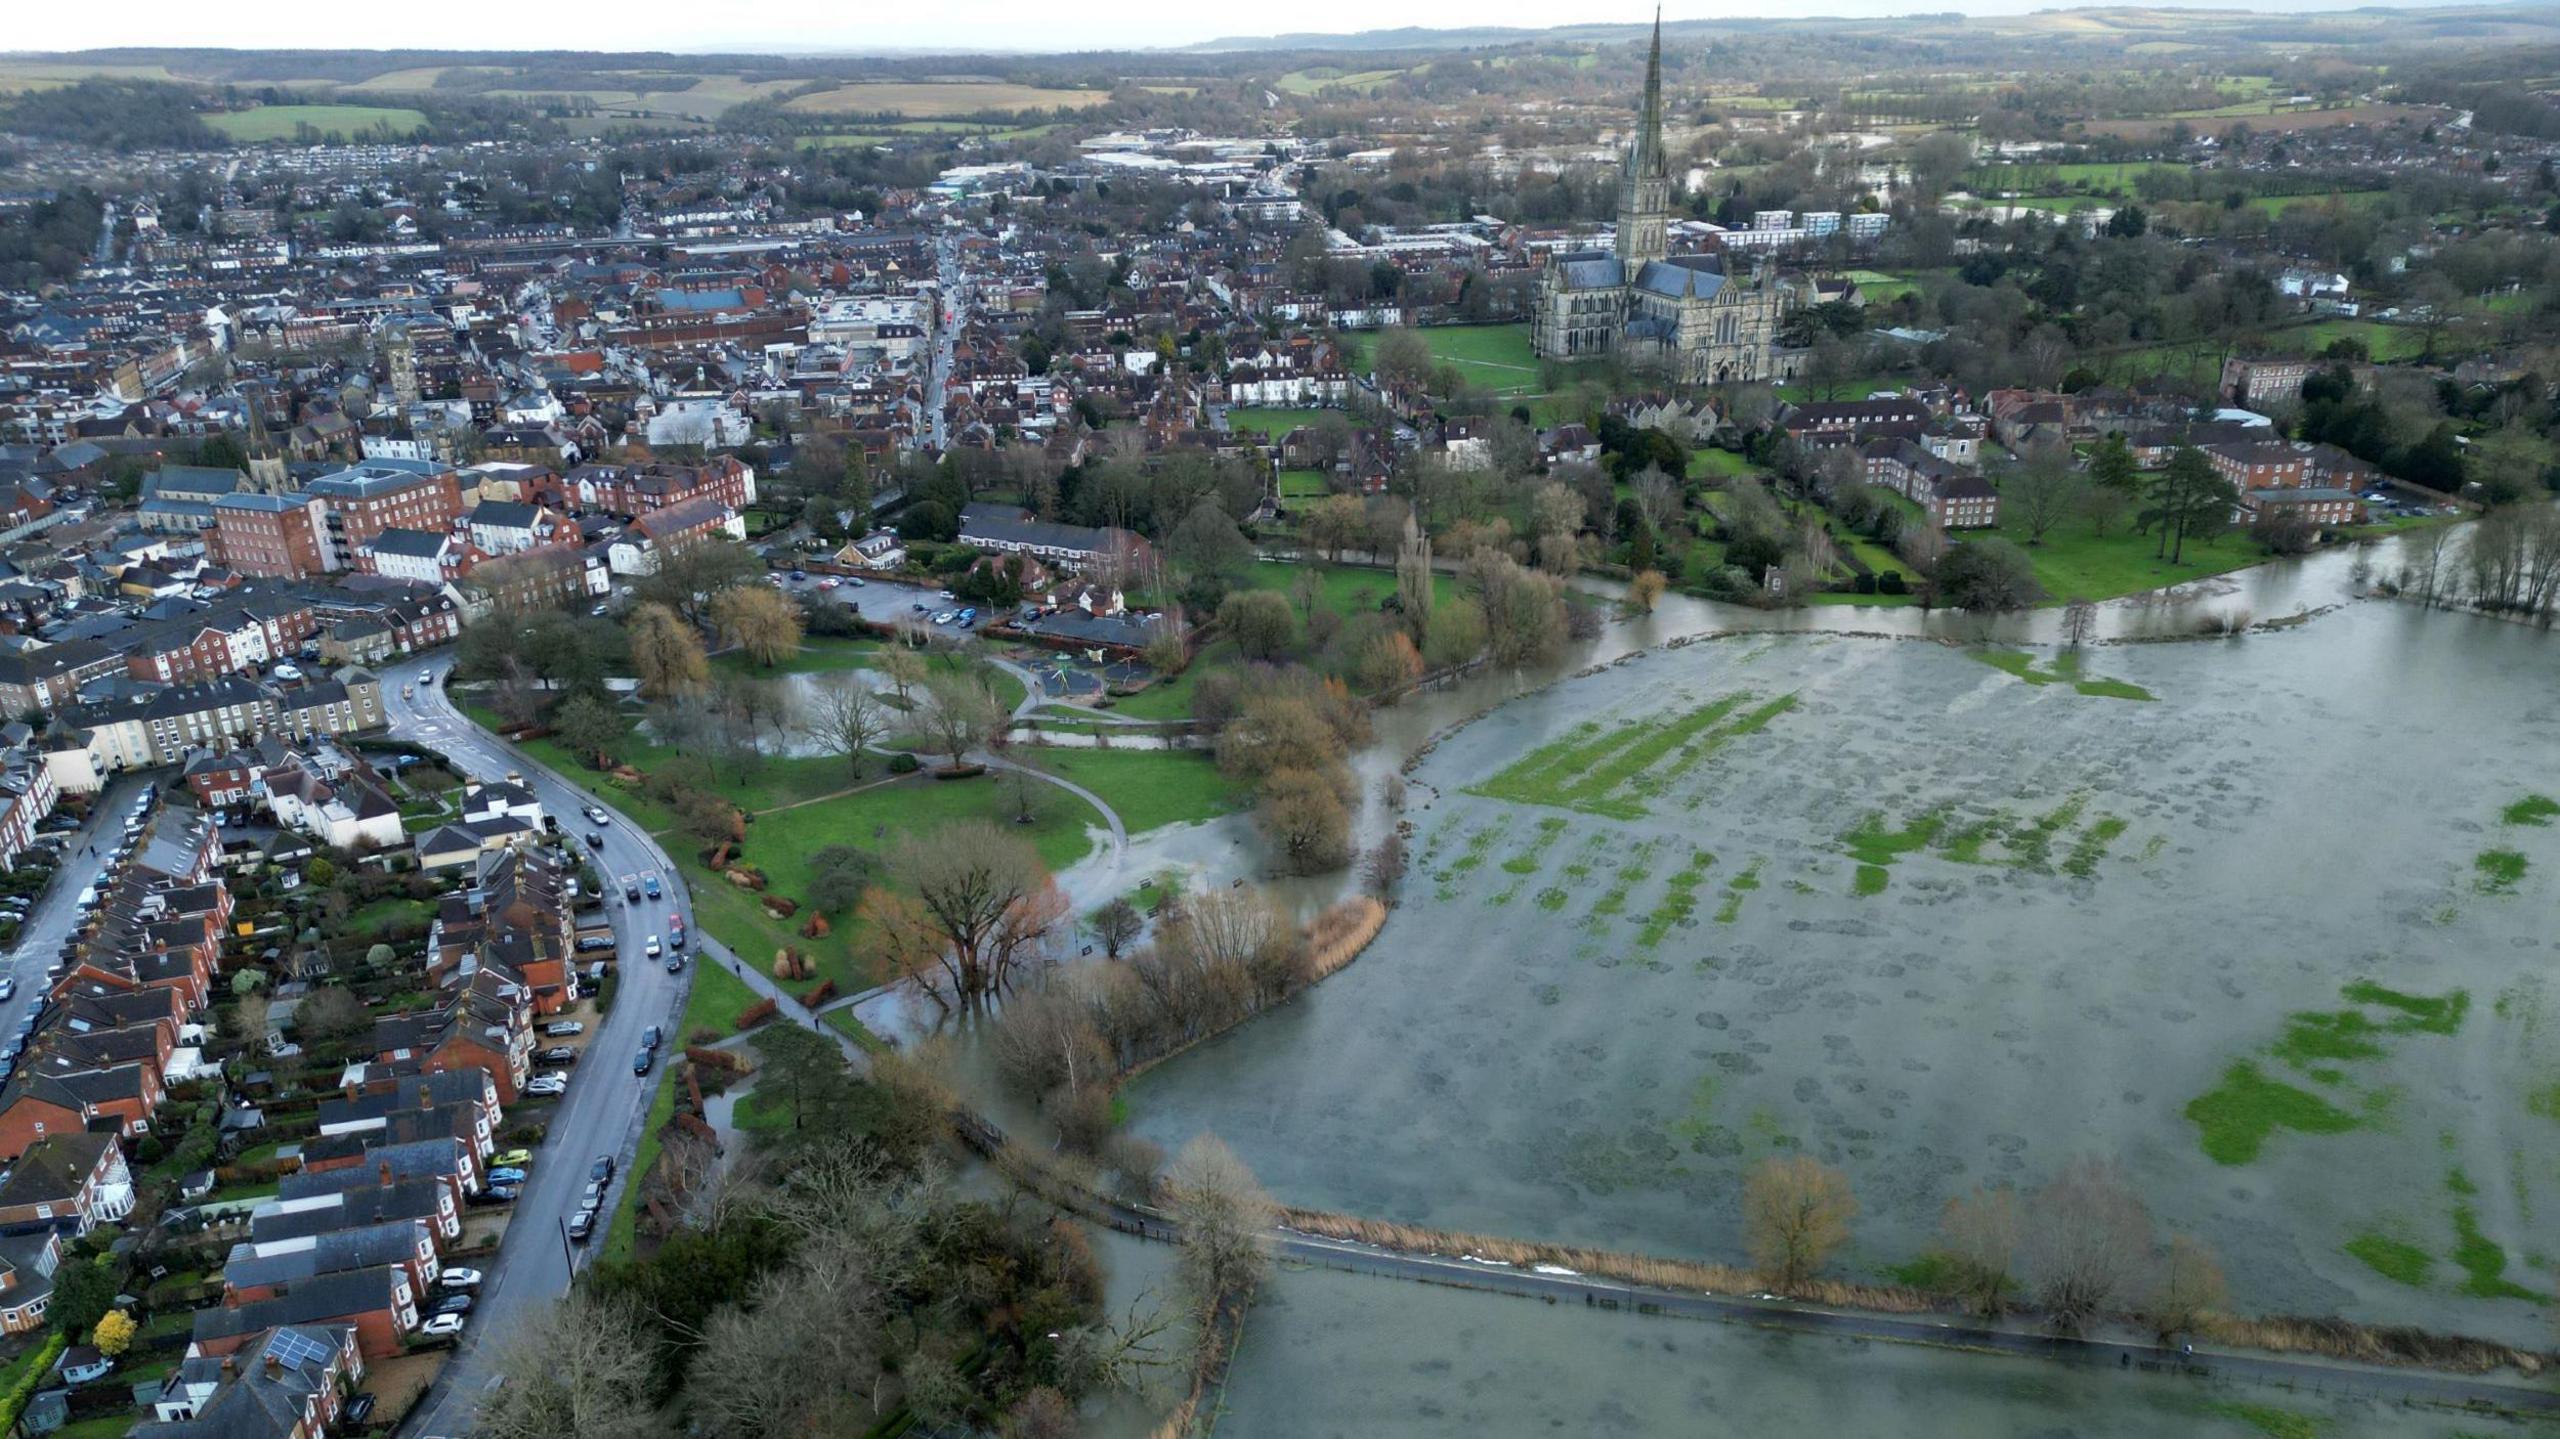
(2088, 1242)
(982, 907)
(2044, 488)
(2079, 622)
(584, 1371)
(847, 718)
(2190, 1286)
(1386, 865)
(1658, 497)
(1225, 1219)
(1795, 1215)
(962, 714)
(1980, 1234)
(1115, 924)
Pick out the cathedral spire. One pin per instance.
(1644, 157)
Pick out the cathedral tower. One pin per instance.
(1644, 186)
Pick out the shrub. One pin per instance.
(757, 1013)
(1890, 583)
(903, 763)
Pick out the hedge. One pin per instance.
(13, 1404)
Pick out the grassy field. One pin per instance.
(2346, 199)
(284, 122)
(1346, 589)
(1325, 77)
(1149, 788)
(1270, 422)
(818, 653)
(1495, 357)
(931, 101)
(1304, 485)
(2035, 177)
(2074, 562)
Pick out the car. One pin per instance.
(558, 1054)
(357, 1410)
(829, 583)
(453, 1304)
(501, 1193)
(968, 617)
(561, 1028)
(942, 617)
(599, 609)
(459, 1279)
(8, 988)
(857, 581)
(512, 1158)
(641, 1062)
(506, 1176)
(675, 961)
(652, 949)
(599, 816)
(441, 1326)
(595, 839)
(582, 1224)
(948, 595)
(630, 893)
(650, 1038)
(675, 929)
(602, 1169)
(593, 943)
(546, 1086)
(920, 609)
(426, 677)
(799, 575)
(649, 886)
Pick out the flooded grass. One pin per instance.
(2064, 670)
(2396, 1260)
(2498, 871)
(2536, 810)
(1679, 902)
(2236, 1118)
(2271, 1421)
(2092, 847)
(1735, 889)
(2483, 1261)
(1611, 771)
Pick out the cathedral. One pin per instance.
(1682, 314)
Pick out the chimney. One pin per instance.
(275, 1366)
(386, 1171)
(230, 1365)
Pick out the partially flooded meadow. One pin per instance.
(2271, 921)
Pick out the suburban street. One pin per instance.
(57, 908)
(606, 1103)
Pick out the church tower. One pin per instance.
(1644, 186)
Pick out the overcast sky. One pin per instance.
(1045, 25)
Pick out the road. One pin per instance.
(955, 313)
(56, 913)
(606, 1103)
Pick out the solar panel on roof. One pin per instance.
(294, 1347)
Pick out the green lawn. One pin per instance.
(2383, 342)
(2349, 199)
(1149, 787)
(1707, 461)
(718, 999)
(1170, 699)
(1494, 357)
(2075, 563)
(1304, 485)
(1272, 423)
(1346, 589)
(715, 1002)
(285, 122)
(387, 914)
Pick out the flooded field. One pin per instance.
(1329, 1354)
(2270, 921)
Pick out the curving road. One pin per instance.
(604, 1108)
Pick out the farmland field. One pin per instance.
(932, 101)
(1323, 78)
(284, 122)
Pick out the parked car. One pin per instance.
(640, 1063)
(546, 1086)
(582, 1224)
(453, 1304)
(459, 1279)
(358, 1410)
(501, 1194)
(830, 582)
(650, 1037)
(595, 943)
(442, 1326)
(602, 1169)
(513, 1158)
(8, 987)
(558, 1054)
(426, 677)
(561, 1028)
(675, 961)
(508, 1175)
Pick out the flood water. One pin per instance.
(1587, 1019)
